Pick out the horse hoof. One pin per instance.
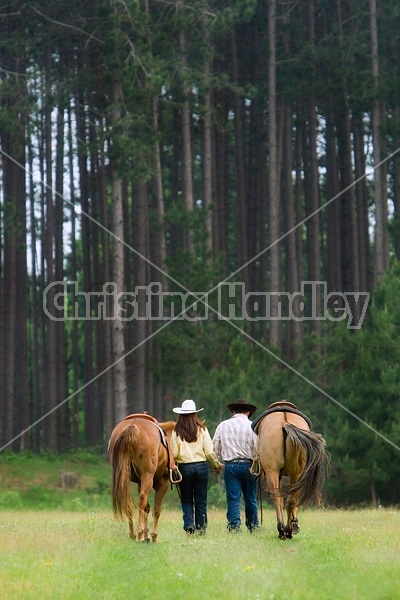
(295, 527)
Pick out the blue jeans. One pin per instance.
(193, 491)
(238, 481)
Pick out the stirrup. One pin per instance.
(175, 475)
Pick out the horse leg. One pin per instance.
(295, 521)
(295, 460)
(146, 522)
(144, 508)
(132, 532)
(161, 490)
(292, 505)
(274, 488)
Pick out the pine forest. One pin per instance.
(202, 200)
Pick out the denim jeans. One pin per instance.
(193, 491)
(238, 481)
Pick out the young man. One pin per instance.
(235, 443)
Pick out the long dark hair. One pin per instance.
(187, 427)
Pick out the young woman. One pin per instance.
(192, 447)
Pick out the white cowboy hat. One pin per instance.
(188, 407)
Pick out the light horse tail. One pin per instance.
(121, 458)
(312, 478)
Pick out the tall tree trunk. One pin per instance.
(380, 255)
(349, 233)
(8, 294)
(221, 174)
(35, 367)
(312, 192)
(74, 275)
(21, 421)
(334, 248)
(14, 367)
(42, 406)
(361, 192)
(241, 212)
(207, 151)
(140, 235)
(396, 184)
(273, 187)
(348, 228)
(88, 372)
(63, 418)
(293, 284)
(117, 327)
(187, 161)
(99, 280)
(158, 255)
(298, 188)
(106, 325)
(51, 422)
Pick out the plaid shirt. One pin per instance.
(234, 438)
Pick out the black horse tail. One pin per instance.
(121, 456)
(312, 479)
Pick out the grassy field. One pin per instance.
(87, 555)
(29, 481)
(64, 544)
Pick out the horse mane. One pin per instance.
(167, 426)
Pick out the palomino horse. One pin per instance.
(288, 447)
(140, 452)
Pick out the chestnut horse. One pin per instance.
(288, 447)
(140, 452)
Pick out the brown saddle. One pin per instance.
(282, 406)
(174, 474)
(142, 416)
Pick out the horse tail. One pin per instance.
(121, 457)
(312, 478)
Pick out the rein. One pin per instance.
(175, 475)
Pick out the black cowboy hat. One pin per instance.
(242, 405)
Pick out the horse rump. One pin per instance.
(312, 479)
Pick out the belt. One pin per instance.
(239, 460)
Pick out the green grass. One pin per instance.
(64, 544)
(338, 555)
(31, 481)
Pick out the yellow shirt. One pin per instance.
(198, 451)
